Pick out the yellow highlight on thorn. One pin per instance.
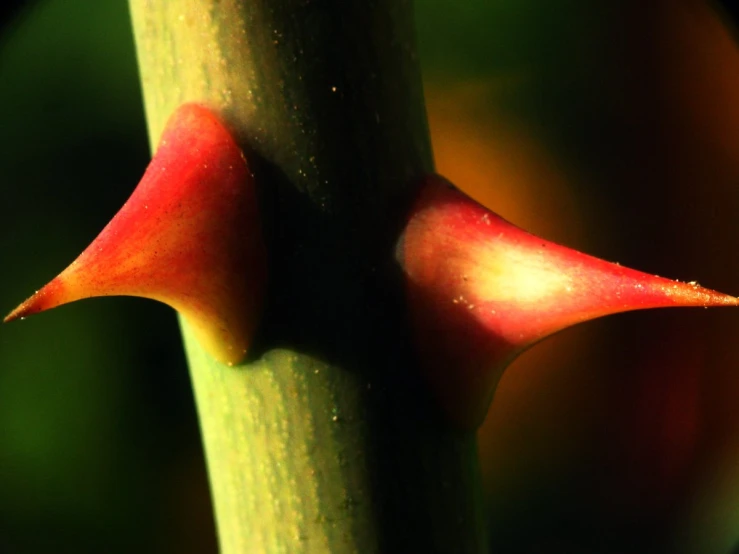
(505, 275)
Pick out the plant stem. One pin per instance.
(327, 440)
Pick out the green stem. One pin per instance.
(327, 440)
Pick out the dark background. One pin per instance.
(612, 127)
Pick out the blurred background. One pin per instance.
(612, 127)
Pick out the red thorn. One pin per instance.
(46, 298)
(482, 290)
(188, 236)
